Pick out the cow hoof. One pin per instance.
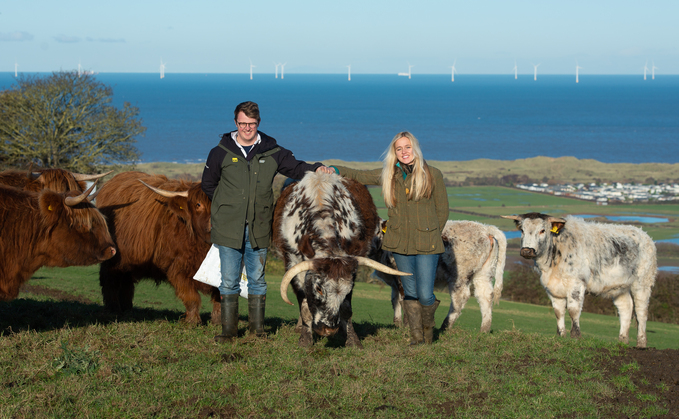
(398, 323)
(224, 339)
(354, 343)
(575, 333)
(305, 340)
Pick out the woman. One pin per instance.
(417, 204)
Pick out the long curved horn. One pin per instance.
(72, 201)
(83, 177)
(291, 273)
(379, 267)
(166, 194)
(511, 217)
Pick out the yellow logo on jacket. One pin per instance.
(234, 159)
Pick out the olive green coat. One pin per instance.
(414, 227)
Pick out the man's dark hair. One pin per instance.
(250, 109)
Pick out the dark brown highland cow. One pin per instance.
(162, 235)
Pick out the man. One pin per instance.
(237, 177)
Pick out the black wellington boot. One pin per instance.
(229, 305)
(256, 306)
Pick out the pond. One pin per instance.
(628, 218)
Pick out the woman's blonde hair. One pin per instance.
(421, 181)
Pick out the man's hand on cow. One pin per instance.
(325, 169)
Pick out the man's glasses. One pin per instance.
(247, 124)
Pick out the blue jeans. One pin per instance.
(419, 286)
(232, 260)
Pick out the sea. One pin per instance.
(612, 119)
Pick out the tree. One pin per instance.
(66, 120)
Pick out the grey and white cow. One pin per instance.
(323, 226)
(474, 253)
(575, 256)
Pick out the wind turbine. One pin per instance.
(251, 67)
(16, 66)
(452, 72)
(535, 74)
(653, 68)
(577, 67)
(283, 70)
(516, 71)
(645, 69)
(408, 73)
(276, 64)
(80, 69)
(349, 66)
(162, 69)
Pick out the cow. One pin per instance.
(58, 180)
(323, 226)
(474, 254)
(47, 229)
(575, 256)
(162, 230)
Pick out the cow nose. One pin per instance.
(326, 331)
(528, 253)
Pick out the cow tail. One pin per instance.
(501, 241)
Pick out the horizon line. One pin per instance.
(344, 73)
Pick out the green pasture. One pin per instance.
(68, 357)
(371, 302)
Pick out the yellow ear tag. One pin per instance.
(49, 208)
(181, 207)
(407, 191)
(384, 230)
(555, 230)
(234, 159)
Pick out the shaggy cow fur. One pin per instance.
(42, 229)
(164, 239)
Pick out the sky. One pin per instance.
(324, 36)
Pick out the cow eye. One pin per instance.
(542, 231)
(198, 205)
(319, 289)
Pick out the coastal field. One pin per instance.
(538, 169)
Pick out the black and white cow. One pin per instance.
(474, 254)
(323, 226)
(575, 256)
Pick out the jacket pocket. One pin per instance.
(427, 239)
(392, 237)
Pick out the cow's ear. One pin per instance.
(305, 246)
(51, 206)
(557, 224)
(179, 205)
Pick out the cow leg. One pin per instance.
(624, 304)
(483, 291)
(559, 305)
(216, 316)
(352, 337)
(458, 299)
(117, 289)
(192, 302)
(397, 304)
(641, 298)
(574, 302)
(306, 336)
